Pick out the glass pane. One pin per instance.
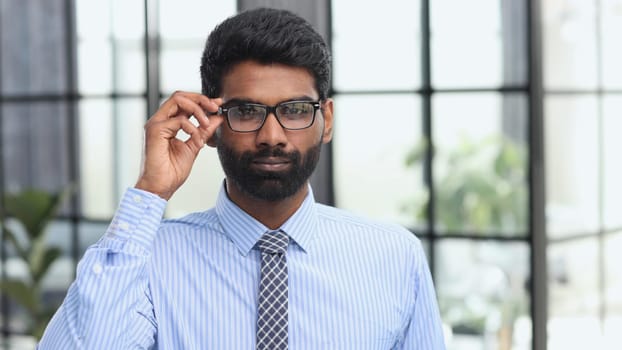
(191, 19)
(15, 268)
(371, 153)
(179, 66)
(61, 272)
(121, 19)
(613, 274)
(128, 19)
(93, 19)
(574, 298)
(54, 283)
(569, 45)
(129, 120)
(35, 137)
(571, 153)
(611, 32)
(33, 47)
(96, 158)
(104, 66)
(613, 336)
(425, 242)
(18, 341)
(480, 166)
(200, 190)
(90, 233)
(110, 46)
(488, 51)
(182, 45)
(376, 47)
(612, 166)
(111, 138)
(95, 67)
(483, 295)
(129, 66)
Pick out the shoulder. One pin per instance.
(202, 218)
(193, 224)
(389, 252)
(353, 224)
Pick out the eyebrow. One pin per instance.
(242, 100)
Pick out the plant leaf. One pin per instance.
(38, 328)
(34, 209)
(22, 293)
(10, 236)
(36, 254)
(417, 154)
(40, 264)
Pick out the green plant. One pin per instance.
(479, 187)
(33, 210)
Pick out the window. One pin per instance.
(181, 48)
(35, 129)
(583, 97)
(431, 131)
(73, 103)
(436, 103)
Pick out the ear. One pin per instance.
(327, 112)
(213, 141)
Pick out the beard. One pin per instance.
(268, 185)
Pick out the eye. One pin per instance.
(247, 111)
(295, 109)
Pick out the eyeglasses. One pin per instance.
(249, 117)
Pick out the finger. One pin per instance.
(166, 110)
(207, 104)
(214, 122)
(196, 104)
(187, 107)
(208, 131)
(197, 138)
(184, 103)
(166, 129)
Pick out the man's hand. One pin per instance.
(167, 161)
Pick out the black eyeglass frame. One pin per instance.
(224, 111)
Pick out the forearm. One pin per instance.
(108, 305)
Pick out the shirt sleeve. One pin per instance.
(109, 305)
(425, 331)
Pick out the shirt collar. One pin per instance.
(245, 231)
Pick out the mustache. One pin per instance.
(271, 152)
(247, 158)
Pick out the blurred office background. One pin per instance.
(489, 128)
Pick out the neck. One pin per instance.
(270, 213)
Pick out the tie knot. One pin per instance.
(273, 242)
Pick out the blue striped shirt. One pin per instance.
(192, 283)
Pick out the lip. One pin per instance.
(271, 163)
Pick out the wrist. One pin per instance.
(144, 185)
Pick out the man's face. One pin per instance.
(271, 163)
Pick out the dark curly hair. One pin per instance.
(266, 36)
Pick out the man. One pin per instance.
(267, 268)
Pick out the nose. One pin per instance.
(271, 133)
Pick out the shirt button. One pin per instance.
(137, 198)
(97, 268)
(124, 225)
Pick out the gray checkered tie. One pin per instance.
(272, 305)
